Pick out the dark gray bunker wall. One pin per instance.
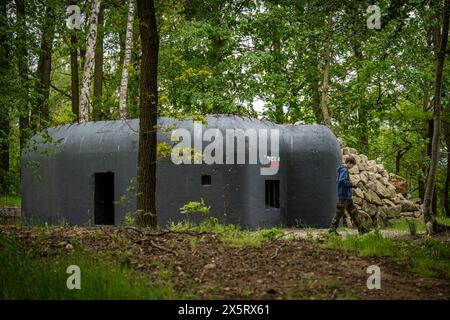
(70, 178)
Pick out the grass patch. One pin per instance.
(409, 224)
(406, 225)
(371, 244)
(427, 257)
(25, 275)
(430, 257)
(443, 220)
(231, 234)
(10, 201)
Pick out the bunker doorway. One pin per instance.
(104, 198)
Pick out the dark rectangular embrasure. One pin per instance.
(272, 196)
(206, 180)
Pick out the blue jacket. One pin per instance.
(343, 183)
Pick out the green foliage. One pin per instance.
(412, 226)
(271, 234)
(130, 219)
(220, 56)
(406, 224)
(371, 244)
(130, 194)
(431, 258)
(443, 220)
(10, 201)
(428, 256)
(24, 275)
(195, 207)
(230, 234)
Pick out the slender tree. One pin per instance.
(326, 74)
(446, 126)
(126, 61)
(75, 83)
(22, 62)
(4, 107)
(146, 202)
(98, 68)
(45, 63)
(89, 62)
(428, 214)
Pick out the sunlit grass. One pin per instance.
(10, 201)
(25, 275)
(231, 234)
(428, 256)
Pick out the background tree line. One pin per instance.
(308, 61)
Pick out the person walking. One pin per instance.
(345, 202)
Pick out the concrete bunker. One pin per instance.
(89, 178)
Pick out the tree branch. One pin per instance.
(61, 91)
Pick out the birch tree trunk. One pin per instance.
(89, 62)
(428, 214)
(126, 61)
(75, 84)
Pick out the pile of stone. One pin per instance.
(9, 215)
(380, 196)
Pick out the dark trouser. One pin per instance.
(341, 207)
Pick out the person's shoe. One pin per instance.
(334, 232)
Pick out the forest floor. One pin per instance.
(232, 264)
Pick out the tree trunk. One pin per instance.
(429, 215)
(314, 81)
(447, 178)
(4, 107)
(75, 84)
(326, 75)
(398, 158)
(277, 67)
(126, 61)
(22, 61)
(357, 45)
(426, 168)
(217, 44)
(89, 62)
(135, 64)
(45, 65)
(98, 69)
(146, 201)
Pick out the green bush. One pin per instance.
(195, 207)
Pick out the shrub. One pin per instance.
(195, 207)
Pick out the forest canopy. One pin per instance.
(368, 71)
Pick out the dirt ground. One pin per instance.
(203, 265)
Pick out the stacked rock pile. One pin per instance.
(380, 196)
